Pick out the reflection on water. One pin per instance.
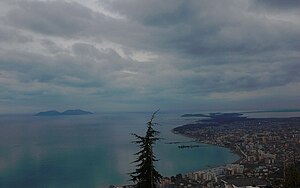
(90, 151)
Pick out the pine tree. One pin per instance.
(146, 176)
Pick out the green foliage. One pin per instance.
(146, 176)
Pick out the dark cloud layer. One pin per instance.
(137, 55)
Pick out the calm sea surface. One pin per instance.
(91, 151)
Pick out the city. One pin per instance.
(268, 147)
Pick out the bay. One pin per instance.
(92, 151)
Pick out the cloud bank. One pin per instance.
(137, 55)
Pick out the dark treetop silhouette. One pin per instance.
(146, 176)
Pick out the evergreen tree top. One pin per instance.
(145, 175)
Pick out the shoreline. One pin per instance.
(238, 161)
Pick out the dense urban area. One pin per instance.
(269, 150)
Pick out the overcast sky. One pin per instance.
(141, 55)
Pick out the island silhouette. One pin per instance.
(65, 113)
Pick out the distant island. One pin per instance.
(65, 113)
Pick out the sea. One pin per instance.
(94, 151)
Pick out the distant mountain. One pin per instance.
(75, 112)
(48, 113)
(65, 113)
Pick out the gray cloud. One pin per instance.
(51, 18)
(211, 27)
(11, 35)
(155, 13)
(70, 20)
(159, 53)
(52, 47)
(278, 4)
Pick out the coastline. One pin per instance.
(232, 150)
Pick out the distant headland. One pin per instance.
(217, 115)
(65, 113)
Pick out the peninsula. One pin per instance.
(65, 113)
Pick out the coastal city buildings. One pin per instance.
(268, 149)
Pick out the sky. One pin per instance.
(141, 55)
